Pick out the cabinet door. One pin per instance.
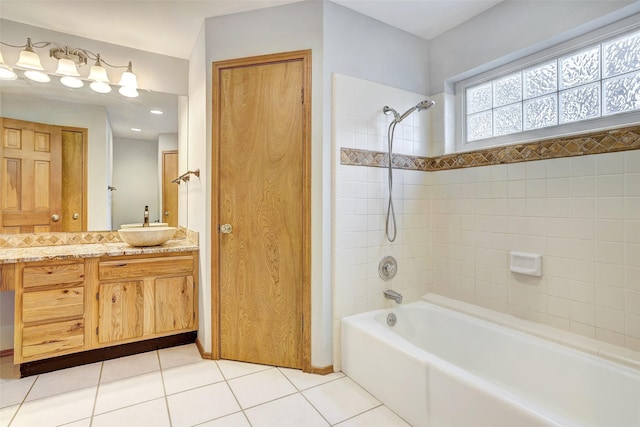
(120, 311)
(174, 304)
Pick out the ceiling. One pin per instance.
(172, 27)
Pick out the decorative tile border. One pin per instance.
(622, 139)
(380, 159)
(31, 240)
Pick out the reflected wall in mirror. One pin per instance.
(123, 166)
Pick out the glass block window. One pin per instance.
(596, 81)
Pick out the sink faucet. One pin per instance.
(391, 294)
(146, 217)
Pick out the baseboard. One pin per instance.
(203, 354)
(106, 353)
(321, 370)
(6, 353)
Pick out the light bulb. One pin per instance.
(100, 87)
(67, 67)
(6, 72)
(37, 76)
(129, 92)
(72, 82)
(30, 60)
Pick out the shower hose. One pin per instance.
(390, 227)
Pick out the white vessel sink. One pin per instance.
(139, 224)
(146, 236)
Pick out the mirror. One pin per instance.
(124, 166)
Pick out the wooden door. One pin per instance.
(30, 178)
(74, 179)
(169, 188)
(262, 191)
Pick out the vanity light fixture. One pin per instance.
(69, 60)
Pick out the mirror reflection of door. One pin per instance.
(169, 188)
(38, 160)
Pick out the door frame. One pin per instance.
(217, 68)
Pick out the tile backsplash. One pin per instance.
(458, 220)
(582, 214)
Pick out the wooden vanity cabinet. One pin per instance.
(141, 297)
(69, 306)
(50, 309)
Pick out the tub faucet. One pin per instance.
(391, 294)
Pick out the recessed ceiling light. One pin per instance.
(156, 112)
(136, 130)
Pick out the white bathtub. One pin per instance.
(441, 368)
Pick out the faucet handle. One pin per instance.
(387, 268)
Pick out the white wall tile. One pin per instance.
(457, 226)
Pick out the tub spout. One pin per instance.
(391, 294)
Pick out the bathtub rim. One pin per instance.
(617, 354)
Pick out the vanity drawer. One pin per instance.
(52, 274)
(145, 267)
(52, 339)
(52, 304)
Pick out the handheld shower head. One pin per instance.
(423, 105)
(426, 104)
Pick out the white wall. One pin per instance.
(280, 29)
(135, 175)
(92, 117)
(198, 211)
(360, 202)
(512, 29)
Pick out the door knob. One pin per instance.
(226, 228)
(55, 218)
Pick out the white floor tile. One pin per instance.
(303, 380)
(56, 410)
(65, 380)
(13, 392)
(232, 369)
(6, 414)
(261, 387)
(153, 413)
(340, 399)
(129, 391)
(378, 417)
(185, 377)
(234, 420)
(180, 355)
(129, 366)
(290, 411)
(80, 423)
(201, 404)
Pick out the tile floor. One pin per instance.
(175, 387)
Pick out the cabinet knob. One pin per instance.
(55, 217)
(75, 215)
(226, 228)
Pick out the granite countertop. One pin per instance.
(92, 250)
